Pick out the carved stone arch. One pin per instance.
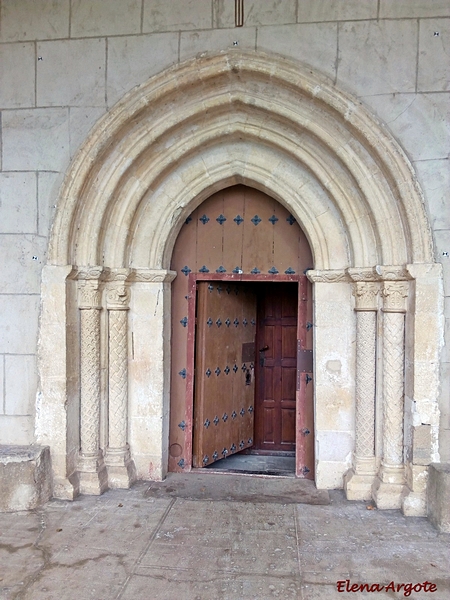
(220, 120)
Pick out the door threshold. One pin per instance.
(252, 464)
(256, 474)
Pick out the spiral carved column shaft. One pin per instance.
(358, 481)
(118, 379)
(91, 468)
(90, 382)
(121, 470)
(389, 487)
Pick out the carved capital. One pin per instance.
(89, 294)
(117, 296)
(394, 296)
(327, 276)
(366, 295)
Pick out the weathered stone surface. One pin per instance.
(334, 10)
(25, 477)
(129, 64)
(314, 45)
(25, 20)
(71, 73)
(20, 384)
(438, 496)
(35, 139)
(18, 212)
(392, 71)
(256, 12)
(160, 15)
(17, 75)
(116, 17)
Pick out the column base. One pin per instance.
(121, 469)
(92, 475)
(358, 486)
(389, 489)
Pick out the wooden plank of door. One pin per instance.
(224, 386)
(304, 460)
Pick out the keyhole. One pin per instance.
(248, 377)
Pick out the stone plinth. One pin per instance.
(25, 477)
(439, 496)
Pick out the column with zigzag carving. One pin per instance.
(121, 469)
(91, 467)
(359, 479)
(389, 487)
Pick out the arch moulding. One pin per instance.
(272, 124)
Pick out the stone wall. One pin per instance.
(64, 63)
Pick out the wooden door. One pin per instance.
(277, 368)
(224, 383)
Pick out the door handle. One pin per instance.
(261, 356)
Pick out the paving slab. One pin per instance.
(167, 541)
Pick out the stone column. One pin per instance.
(389, 487)
(359, 479)
(121, 469)
(91, 468)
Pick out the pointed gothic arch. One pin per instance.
(212, 122)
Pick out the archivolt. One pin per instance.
(239, 118)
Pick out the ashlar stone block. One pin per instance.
(2, 385)
(393, 9)
(17, 429)
(434, 177)
(34, 20)
(315, 45)
(129, 61)
(71, 73)
(48, 187)
(81, 121)
(434, 49)
(35, 139)
(17, 75)
(442, 238)
(421, 445)
(18, 211)
(438, 495)
(192, 43)
(22, 260)
(421, 123)
(20, 384)
(98, 18)
(160, 15)
(313, 11)
(389, 47)
(256, 12)
(18, 323)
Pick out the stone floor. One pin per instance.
(153, 543)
